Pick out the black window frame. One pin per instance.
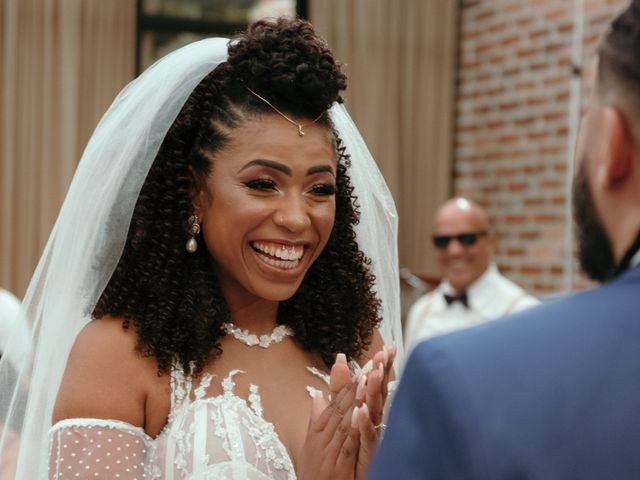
(172, 24)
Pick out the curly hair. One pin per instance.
(171, 297)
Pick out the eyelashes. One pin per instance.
(324, 189)
(265, 185)
(261, 184)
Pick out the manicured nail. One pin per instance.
(365, 408)
(385, 355)
(341, 358)
(381, 370)
(354, 417)
(360, 390)
(318, 404)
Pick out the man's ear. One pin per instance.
(618, 161)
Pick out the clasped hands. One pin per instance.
(342, 434)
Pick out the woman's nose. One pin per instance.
(292, 215)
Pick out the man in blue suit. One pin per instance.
(553, 392)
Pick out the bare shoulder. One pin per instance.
(106, 377)
(376, 345)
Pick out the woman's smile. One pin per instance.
(278, 255)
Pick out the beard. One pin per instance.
(595, 252)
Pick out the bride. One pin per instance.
(217, 293)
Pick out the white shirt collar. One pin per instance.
(481, 293)
(478, 287)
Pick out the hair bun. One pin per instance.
(287, 62)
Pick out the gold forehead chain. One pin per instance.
(299, 125)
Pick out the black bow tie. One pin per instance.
(458, 297)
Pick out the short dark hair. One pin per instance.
(619, 53)
(172, 297)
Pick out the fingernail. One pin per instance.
(341, 358)
(354, 417)
(385, 355)
(365, 408)
(317, 401)
(381, 370)
(360, 389)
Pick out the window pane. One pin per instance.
(165, 25)
(155, 45)
(234, 11)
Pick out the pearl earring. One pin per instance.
(194, 229)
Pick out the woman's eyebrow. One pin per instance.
(321, 169)
(267, 163)
(285, 169)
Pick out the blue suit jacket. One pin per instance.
(550, 393)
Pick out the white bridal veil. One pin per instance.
(89, 235)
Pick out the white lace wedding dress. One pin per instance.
(222, 437)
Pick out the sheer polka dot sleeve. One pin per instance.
(93, 448)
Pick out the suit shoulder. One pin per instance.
(531, 337)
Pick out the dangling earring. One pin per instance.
(194, 229)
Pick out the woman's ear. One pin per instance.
(196, 201)
(198, 195)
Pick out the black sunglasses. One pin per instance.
(465, 239)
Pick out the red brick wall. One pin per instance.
(512, 125)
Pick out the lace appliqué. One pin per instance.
(251, 339)
(223, 433)
(322, 376)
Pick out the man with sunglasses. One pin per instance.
(472, 290)
(552, 392)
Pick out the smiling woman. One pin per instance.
(278, 192)
(206, 288)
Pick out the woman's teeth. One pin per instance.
(280, 256)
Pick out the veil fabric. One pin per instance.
(90, 232)
(377, 232)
